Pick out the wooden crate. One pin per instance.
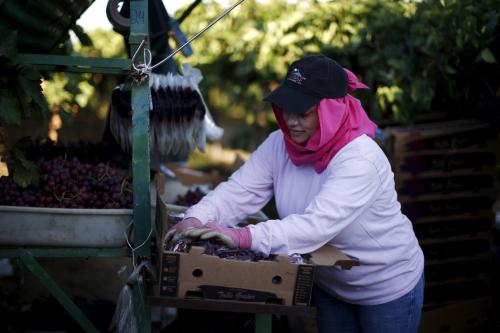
(454, 135)
(458, 270)
(446, 205)
(456, 291)
(456, 248)
(410, 185)
(460, 317)
(454, 226)
(429, 163)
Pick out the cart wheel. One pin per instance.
(120, 23)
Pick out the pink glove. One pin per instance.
(174, 233)
(231, 237)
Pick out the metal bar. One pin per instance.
(31, 263)
(229, 306)
(96, 70)
(140, 141)
(263, 323)
(77, 64)
(139, 30)
(65, 252)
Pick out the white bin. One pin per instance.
(34, 226)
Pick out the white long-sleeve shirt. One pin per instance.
(352, 204)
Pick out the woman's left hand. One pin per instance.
(231, 237)
(174, 233)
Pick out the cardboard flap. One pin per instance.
(197, 250)
(329, 255)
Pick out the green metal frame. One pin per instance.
(30, 262)
(27, 257)
(263, 323)
(139, 24)
(140, 135)
(140, 169)
(57, 63)
(65, 252)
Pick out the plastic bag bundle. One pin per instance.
(124, 319)
(179, 118)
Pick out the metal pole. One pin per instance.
(139, 29)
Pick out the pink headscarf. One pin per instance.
(341, 120)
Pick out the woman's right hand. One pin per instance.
(174, 233)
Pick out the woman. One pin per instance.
(332, 185)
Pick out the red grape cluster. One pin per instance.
(190, 198)
(68, 183)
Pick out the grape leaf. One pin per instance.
(23, 99)
(488, 56)
(66, 116)
(26, 173)
(8, 45)
(29, 79)
(9, 108)
(21, 92)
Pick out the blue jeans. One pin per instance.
(399, 316)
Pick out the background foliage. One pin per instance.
(419, 57)
(20, 92)
(90, 92)
(423, 60)
(25, 112)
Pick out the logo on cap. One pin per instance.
(296, 76)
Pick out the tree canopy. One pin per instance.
(420, 58)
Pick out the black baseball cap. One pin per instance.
(308, 81)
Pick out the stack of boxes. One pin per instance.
(446, 182)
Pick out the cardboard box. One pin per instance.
(195, 274)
